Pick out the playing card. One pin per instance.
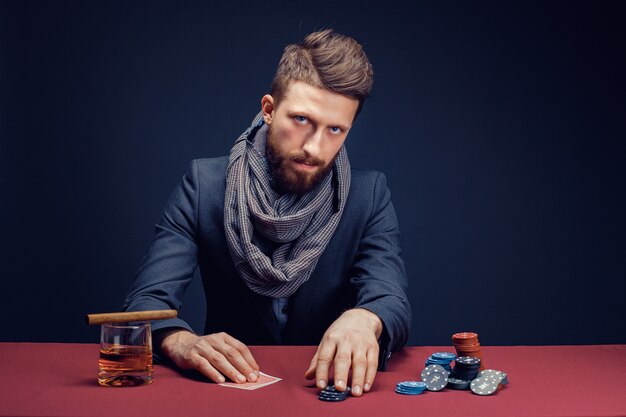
(262, 381)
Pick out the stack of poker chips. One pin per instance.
(330, 393)
(466, 344)
(442, 359)
(435, 377)
(410, 387)
(465, 368)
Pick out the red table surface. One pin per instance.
(50, 379)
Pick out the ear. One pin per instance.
(267, 107)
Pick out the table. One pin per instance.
(53, 379)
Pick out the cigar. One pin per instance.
(131, 316)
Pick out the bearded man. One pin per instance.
(294, 246)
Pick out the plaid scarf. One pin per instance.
(301, 225)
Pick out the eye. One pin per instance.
(300, 119)
(335, 130)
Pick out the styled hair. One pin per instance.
(328, 60)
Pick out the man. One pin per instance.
(294, 246)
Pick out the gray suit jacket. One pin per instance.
(361, 266)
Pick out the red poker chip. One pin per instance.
(465, 335)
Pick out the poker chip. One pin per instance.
(485, 385)
(432, 368)
(435, 377)
(470, 360)
(333, 394)
(410, 387)
(403, 392)
(444, 356)
(442, 359)
(502, 376)
(458, 384)
(330, 393)
(331, 399)
(464, 337)
(408, 392)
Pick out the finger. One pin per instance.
(203, 366)
(325, 355)
(310, 373)
(372, 368)
(222, 364)
(359, 368)
(244, 362)
(341, 364)
(228, 361)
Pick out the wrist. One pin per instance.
(167, 339)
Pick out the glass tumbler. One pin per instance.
(125, 354)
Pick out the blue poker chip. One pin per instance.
(409, 390)
(446, 356)
(411, 385)
(442, 362)
(403, 392)
(414, 389)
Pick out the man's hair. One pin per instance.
(328, 60)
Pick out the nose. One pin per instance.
(313, 143)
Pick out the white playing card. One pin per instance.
(263, 381)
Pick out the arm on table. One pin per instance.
(165, 272)
(382, 305)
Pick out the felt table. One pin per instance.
(59, 379)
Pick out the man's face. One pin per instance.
(306, 130)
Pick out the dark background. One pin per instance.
(501, 128)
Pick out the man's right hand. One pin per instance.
(216, 355)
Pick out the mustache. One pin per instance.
(308, 160)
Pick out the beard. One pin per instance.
(286, 179)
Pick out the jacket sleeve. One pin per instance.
(170, 261)
(379, 275)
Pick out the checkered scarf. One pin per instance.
(302, 225)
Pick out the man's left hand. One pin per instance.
(351, 342)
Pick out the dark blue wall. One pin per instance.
(500, 127)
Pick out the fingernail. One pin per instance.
(366, 387)
(321, 384)
(340, 383)
(252, 377)
(221, 379)
(356, 390)
(241, 378)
